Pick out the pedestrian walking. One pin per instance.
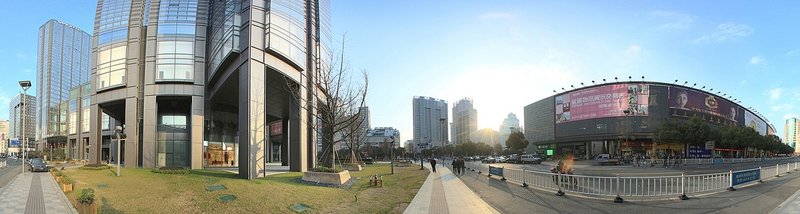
(433, 164)
(635, 161)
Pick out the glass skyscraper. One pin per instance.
(791, 135)
(63, 62)
(192, 80)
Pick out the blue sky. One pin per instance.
(507, 54)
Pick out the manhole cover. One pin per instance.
(226, 198)
(299, 208)
(102, 185)
(212, 188)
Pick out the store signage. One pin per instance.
(710, 145)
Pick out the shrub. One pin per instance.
(66, 180)
(326, 169)
(86, 196)
(171, 170)
(58, 173)
(94, 166)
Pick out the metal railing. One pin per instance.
(640, 187)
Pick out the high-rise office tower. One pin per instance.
(430, 122)
(63, 62)
(199, 83)
(509, 125)
(791, 135)
(17, 111)
(465, 121)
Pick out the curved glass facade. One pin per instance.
(112, 34)
(176, 38)
(224, 32)
(286, 32)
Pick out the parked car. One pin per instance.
(604, 159)
(38, 165)
(531, 158)
(489, 160)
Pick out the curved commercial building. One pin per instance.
(620, 118)
(199, 83)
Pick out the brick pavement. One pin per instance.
(34, 193)
(444, 193)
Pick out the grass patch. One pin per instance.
(141, 191)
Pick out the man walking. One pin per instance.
(433, 164)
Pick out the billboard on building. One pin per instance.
(684, 102)
(14, 143)
(752, 121)
(602, 101)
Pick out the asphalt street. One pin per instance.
(7, 173)
(511, 198)
(589, 168)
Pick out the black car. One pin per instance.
(38, 165)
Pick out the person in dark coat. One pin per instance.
(433, 164)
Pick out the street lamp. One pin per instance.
(25, 85)
(120, 136)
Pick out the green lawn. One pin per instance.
(141, 191)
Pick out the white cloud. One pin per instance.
(495, 15)
(27, 70)
(756, 60)
(633, 50)
(672, 20)
(21, 55)
(726, 32)
(793, 52)
(775, 94)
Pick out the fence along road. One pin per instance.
(635, 187)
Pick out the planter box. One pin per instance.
(352, 167)
(66, 187)
(327, 177)
(87, 208)
(58, 179)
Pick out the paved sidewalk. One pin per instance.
(443, 192)
(791, 205)
(34, 193)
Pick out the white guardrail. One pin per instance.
(2, 164)
(643, 188)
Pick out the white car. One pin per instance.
(531, 158)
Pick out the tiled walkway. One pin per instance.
(443, 192)
(34, 193)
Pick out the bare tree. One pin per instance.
(339, 100)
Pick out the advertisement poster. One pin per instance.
(689, 103)
(752, 121)
(698, 151)
(603, 101)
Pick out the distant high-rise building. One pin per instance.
(409, 147)
(3, 137)
(363, 115)
(16, 112)
(62, 63)
(430, 122)
(510, 125)
(465, 121)
(791, 135)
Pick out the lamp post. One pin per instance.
(391, 152)
(120, 136)
(25, 85)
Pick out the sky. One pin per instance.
(507, 54)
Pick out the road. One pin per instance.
(7, 173)
(511, 198)
(589, 168)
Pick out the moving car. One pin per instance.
(531, 158)
(604, 159)
(38, 165)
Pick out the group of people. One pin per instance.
(459, 166)
(667, 160)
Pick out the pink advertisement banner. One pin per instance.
(603, 101)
